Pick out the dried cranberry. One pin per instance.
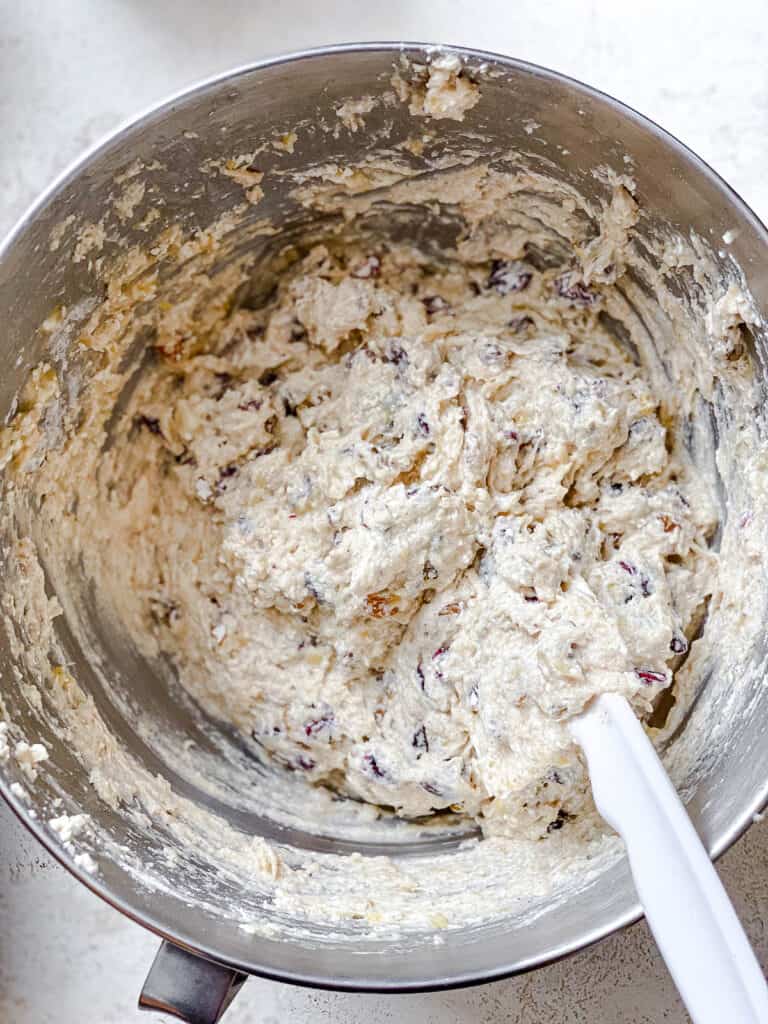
(678, 645)
(224, 474)
(371, 764)
(649, 676)
(420, 674)
(559, 821)
(421, 420)
(439, 652)
(395, 354)
(370, 267)
(627, 567)
(520, 323)
(430, 787)
(420, 740)
(575, 291)
(507, 277)
(311, 586)
(490, 355)
(251, 405)
(646, 586)
(306, 763)
(318, 724)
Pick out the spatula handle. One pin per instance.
(687, 908)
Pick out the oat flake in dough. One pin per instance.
(403, 523)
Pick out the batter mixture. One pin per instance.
(404, 522)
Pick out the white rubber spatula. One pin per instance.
(686, 906)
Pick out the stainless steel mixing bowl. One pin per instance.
(576, 129)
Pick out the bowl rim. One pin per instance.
(632, 914)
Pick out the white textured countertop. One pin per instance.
(71, 71)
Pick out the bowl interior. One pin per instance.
(526, 117)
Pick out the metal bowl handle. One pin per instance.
(188, 987)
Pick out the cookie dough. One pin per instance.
(403, 522)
